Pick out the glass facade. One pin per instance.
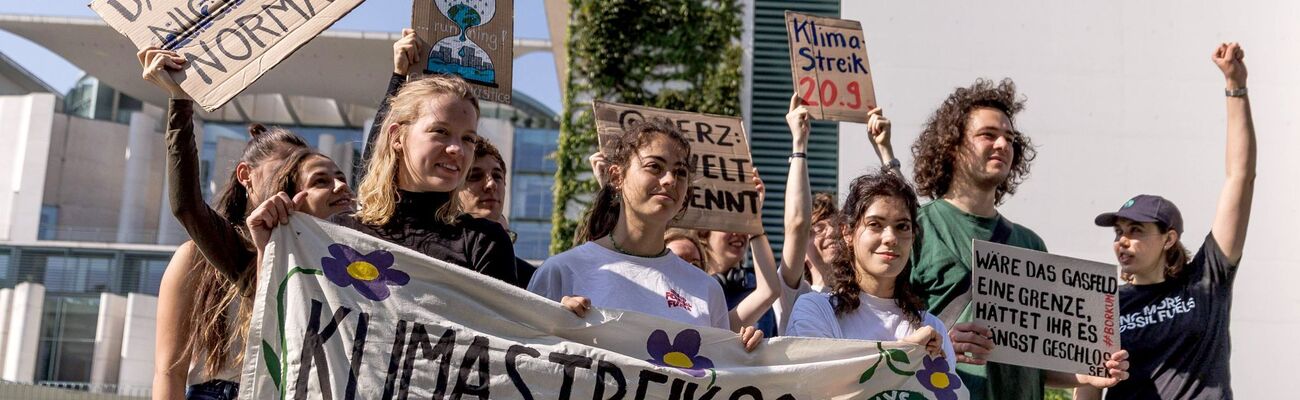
(532, 190)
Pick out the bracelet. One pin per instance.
(1238, 92)
(751, 238)
(798, 154)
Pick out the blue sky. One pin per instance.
(374, 15)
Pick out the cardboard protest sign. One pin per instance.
(724, 198)
(828, 61)
(228, 44)
(472, 39)
(343, 315)
(1046, 311)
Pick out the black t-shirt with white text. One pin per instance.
(1176, 332)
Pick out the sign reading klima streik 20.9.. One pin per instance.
(828, 61)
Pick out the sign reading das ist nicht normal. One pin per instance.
(227, 44)
(1046, 311)
(724, 198)
(828, 61)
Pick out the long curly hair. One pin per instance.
(607, 207)
(863, 192)
(935, 152)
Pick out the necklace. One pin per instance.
(620, 249)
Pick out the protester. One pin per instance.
(203, 317)
(209, 275)
(483, 196)
(806, 256)
(626, 264)
(1185, 355)
(422, 145)
(871, 295)
(969, 158)
(686, 244)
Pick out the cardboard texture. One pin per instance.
(1046, 311)
(228, 44)
(828, 63)
(724, 198)
(473, 39)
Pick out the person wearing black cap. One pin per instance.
(1174, 312)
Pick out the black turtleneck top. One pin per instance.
(473, 243)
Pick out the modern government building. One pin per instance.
(1122, 99)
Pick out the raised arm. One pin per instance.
(798, 197)
(879, 128)
(1233, 213)
(214, 236)
(754, 305)
(406, 54)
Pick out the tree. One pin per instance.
(675, 54)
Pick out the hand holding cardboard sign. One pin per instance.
(971, 338)
(598, 167)
(158, 64)
(758, 186)
(797, 119)
(406, 52)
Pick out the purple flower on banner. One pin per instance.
(370, 274)
(935, 377)
(682, 353)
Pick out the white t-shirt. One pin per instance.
(785, 304)
(666, 287)
(875, 319)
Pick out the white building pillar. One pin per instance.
(138, 335)
(6, 302)
(135, 180)
(26, 123)
(107, 356)
(24, 333)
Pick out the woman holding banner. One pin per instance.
(201, 296)
(1174, 312)
(871, 296)
(423, 144)
(627, 265)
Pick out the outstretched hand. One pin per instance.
(157, 65)
(1231, 60)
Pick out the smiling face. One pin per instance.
(436, 148)
(882, 240)
(326, 187)
(654, 181)
(1140, 247)
(821, 246)
(987, 153)
(484, 192)
(728, 248)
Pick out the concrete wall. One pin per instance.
(138, 335)
(1122, 99)
(105, 363)
(25, 125)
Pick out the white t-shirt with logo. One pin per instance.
(875, 319)
(785, 304)
(666, 287)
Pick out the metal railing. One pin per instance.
(53, 390)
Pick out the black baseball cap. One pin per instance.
(1146, 208)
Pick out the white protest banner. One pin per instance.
(228, 44)
(342, 315)
(1046, 311)
(828, 61)
(724, 198)
(470, 39)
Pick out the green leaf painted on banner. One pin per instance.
(898, 356)
(898, 371)
(272, 363)
(867, 375)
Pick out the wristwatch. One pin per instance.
(895, 164)
(1238, 92)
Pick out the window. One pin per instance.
(49, 225)
(67, 342)
(78, 274)
(533, 150)
(534, 239)
(532, 197)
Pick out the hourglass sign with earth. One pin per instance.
(457, 54)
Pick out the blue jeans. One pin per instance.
(215, 389)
